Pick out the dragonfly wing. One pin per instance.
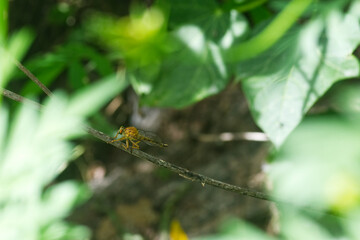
(150, 138)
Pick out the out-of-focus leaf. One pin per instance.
(237, 229)
(76, 74)
(351, 225)
(64, 231)
(4, 7)
(296, 226)
(35, 152)
(141, 37)
(46, 68)
(70, 56)
(318, 165)
(207, 15)
(14, 48)
(3, 129)
(192, 67)
(61, 198)
(92, 98)
(197, 70)
(280, 92)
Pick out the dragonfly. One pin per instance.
(135, 136)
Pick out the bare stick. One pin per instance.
(18, 98)
(183, 172)
(33, 78)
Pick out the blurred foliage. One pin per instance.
(177, 53)
(35, 147)
(12, 49)
(30, 208)
(317, 171)
(69, 57)
(283, 73)
(237, 229)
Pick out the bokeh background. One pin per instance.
(260, 94)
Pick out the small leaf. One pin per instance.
(92, 98)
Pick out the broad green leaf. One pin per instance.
(195, 72)
(205, 14)
(284, 87)
(324, 167)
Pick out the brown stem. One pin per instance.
(33, 78)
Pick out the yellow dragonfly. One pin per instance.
(135, 136)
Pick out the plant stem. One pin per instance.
(270, 35)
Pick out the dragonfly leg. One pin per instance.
(135, 145)
(116, 140)
(127, 145)
(117, 134)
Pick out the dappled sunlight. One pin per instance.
(193, 38)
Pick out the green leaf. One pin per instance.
(237, 229)
(4, 13)
(3, 129)
(294, 225)
(325, 168)
(195, 72)
(15, 48)
(90, 99)
(197, 69)
(64, 231)
(34, 153)
(283, 88)
(69, 57)
(76, 74)
(205, 14)
(46, 68)
(61, 198)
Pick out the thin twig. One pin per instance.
(18, 98)
(183, 172)
(33, 78)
